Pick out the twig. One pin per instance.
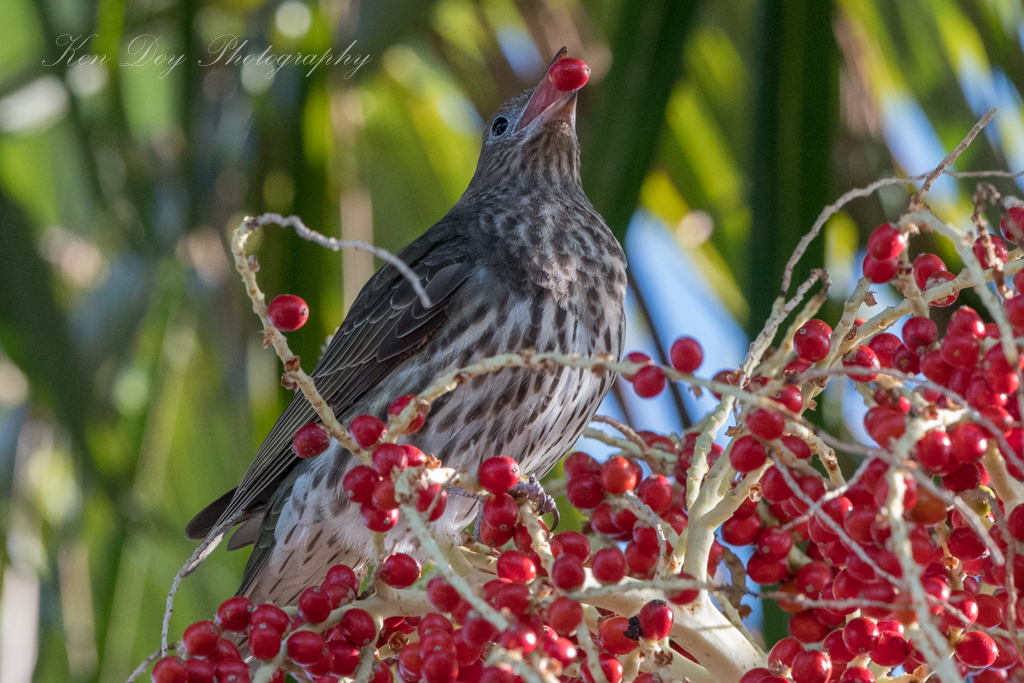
(915, 202)
(141, 668)
(201, 552)
(335, 244)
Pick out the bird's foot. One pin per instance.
(534, 492)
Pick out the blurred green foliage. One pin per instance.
(133, 386)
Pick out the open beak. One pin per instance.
(548, 102)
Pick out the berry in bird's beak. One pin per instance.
(569, 74)
(555, 96)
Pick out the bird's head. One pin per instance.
(531, 139)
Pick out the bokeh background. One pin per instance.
(133, 386)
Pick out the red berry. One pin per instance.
(388, 456)
(425, 499)
(968, 441)
(501, 512)
(567, 572)
(271, 615)
(610, 667)
(579, 463)
(383, 497)
(686, 354)
(367, 430)
(884, 345)
(960, 350)
(378, 520)
(231, 671)
(413, 455)
(400, 571)
(225, 650)
(200, 638)
(811, 666)
(612, 636)
(764, 571)
(574, 543)
(774, 544)
(399, 405)
(569, 74)
(306, 648)
(264, 642)
(797, 447)
(656, 620)
(766, 424)
(936, 369)
(976, 649)
(935, 451)
(618, 475)
(1015, 522)
(233, 614)
(288, 312)
(998, 249)
(879, 271)
(516, 566)
(585, 491)
(358, 483)
(926, 265)
(314, 605)
(357, 627)
(990, 610)
(937, 280)
(964, 543)
(804, 627)
(311, 440)
(886, 242)
(758, 675)
(861, 357)
(170, 670)
(441, 595)
(857, 674)
(342, 575)
(565, 614)
(860, 635)
(791, 398)
(1015, 310)
(200, 671)
(498, 474)
(919, 333)
(835, 648)
(741, 530)
(608, 565)
(1012, 224)
(683, 596)
(649, 381)
(784, 652)
(812, 341)
(656, 492)
(747, 454)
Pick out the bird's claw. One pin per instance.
(534, 492)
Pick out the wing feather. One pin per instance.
(386, 322)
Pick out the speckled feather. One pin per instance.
(521, 261)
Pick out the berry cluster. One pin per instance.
(911, 561)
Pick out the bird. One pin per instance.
(521, 261)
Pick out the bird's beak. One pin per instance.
(548, 103)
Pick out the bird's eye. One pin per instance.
(499, 126)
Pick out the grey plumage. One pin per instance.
(521, 261)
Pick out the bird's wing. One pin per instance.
(386, 323)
